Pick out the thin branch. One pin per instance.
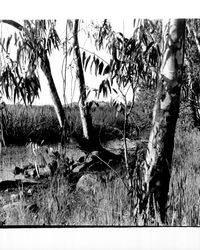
(13, 23)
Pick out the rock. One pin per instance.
(87, 183)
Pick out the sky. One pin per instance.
(56, 60)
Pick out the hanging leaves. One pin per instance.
(101, 65)
(96, 66)
(92, 64)
(87, 61)
(106, 70)
(83, 58)
(104, 87)
(8, 42)
(132, 59)
(19, 78)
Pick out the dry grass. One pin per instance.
(184, 195)
(94, 203)
(40, 123)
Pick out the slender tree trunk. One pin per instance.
(84, 109)
(46, 68)
(165, 114)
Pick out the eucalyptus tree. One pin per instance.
(133, 64)
(157, 167)
(34, 44)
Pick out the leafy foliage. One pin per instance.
(134, 62)
(19, 77)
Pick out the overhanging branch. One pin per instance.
(13, 23)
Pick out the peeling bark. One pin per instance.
(166, 109)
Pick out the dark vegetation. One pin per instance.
(39, 123)
(106, 201)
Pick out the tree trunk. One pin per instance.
(165, 114)
(90, 142)
(83, 107)
(46, 68)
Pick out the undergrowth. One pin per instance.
(37, 123)
(96, 203)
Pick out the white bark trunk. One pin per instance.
(84, 112)
(165, 114)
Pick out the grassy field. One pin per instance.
(40, 123)
(101, 204)
(94, 202)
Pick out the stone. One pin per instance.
(87, 183)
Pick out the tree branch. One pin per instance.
(13, 23)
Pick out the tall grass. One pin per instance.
(94, 203)
(40, 123)
(184, 194)
(24, 123)
(108, 204)
(59, 206)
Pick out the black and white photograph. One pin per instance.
(99, 122)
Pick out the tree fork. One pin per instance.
(157, 167)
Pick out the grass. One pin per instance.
(101, 204)
(94, 202)
(36, 123)
(58, 206)
(40, 123)
(184, 195)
